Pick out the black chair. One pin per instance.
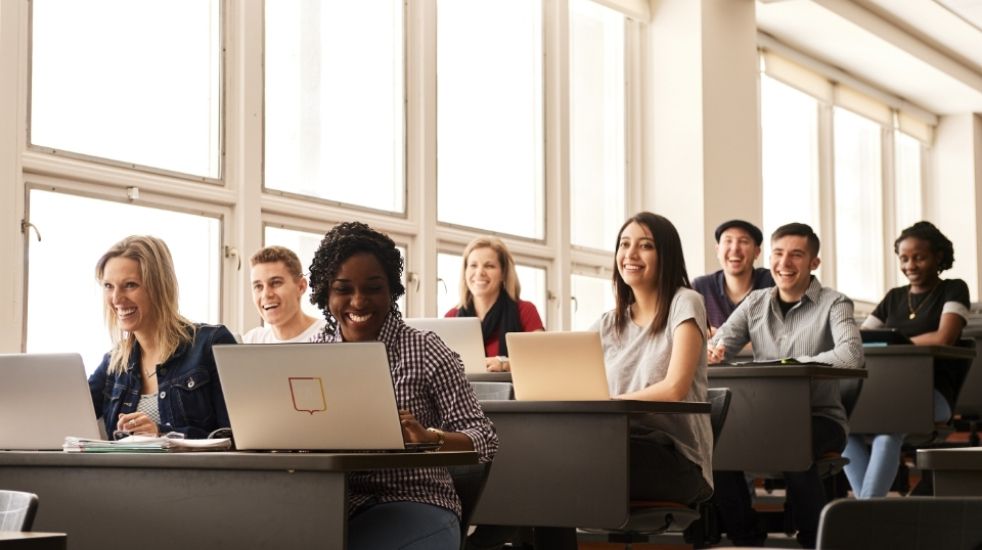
(468, 480)
(901, 523)
(17, 510)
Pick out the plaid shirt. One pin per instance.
(429, 382)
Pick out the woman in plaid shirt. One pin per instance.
(355, 279)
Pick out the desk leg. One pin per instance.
(164, 509)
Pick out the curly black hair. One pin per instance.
(940, 244)
(342, 242)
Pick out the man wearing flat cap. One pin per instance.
(737, 247)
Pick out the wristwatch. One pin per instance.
(440, 434)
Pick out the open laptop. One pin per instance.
(557, 366)
(44, 398)
(461, 334)
(883, 336)
(313, 397)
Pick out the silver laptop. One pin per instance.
(557, 366)
(461, 334)
(43, 399)
(318, 397)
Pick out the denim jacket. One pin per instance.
(189, 395)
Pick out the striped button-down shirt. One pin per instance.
(429, 382)
(818, 329)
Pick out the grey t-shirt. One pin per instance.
(635, 360)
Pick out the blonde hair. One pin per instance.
(509, 277)
(160, 284)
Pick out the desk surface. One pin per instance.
(783, 371)
(489, 377)
(613, 406)
(969, 458)
(309, 462)
(943, 352)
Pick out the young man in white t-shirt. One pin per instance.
(278, 285)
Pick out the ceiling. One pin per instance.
(927, 52)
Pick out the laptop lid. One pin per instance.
(557, 366)
(309, 396)
(44, 398)
(461, 334)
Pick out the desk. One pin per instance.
(898, 395)
(957, 472)
(562, 463)
(16, 540)
(489, 377)
(970, 398)
(769, 403)
(198, 500)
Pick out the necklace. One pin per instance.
(910, 303)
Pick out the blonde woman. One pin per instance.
(490, 291)
(160, 375)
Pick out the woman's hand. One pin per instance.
(137, 423)
(413, 431)
(497, 364)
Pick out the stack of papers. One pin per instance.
(145, 444)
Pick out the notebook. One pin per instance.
(557, 366)
(314, 397)
(461, 334)
(888, 336)
(43, 399)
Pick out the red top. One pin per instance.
(528, 317)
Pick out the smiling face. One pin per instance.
(276, 292)
(918, 262)
(125, 295)
(736, 251)
(360, 298)
(791, 265)
(637, 257)
(483, 273)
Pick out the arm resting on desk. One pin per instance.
(848, 350)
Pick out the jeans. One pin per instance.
(872, 467)
(409, 525)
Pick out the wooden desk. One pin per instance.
(563, 464)
(957, 472)
(198, 500)
(769, 404)
(898, 394)
(34, 540)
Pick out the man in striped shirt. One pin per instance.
(799, 319)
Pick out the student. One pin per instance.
(355, 279)
(278, 285)
(160, 375)
(802, 320)
(488, 270)
(931, 312)
(737, 248)
(654, 350)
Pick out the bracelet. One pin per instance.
(441, 435)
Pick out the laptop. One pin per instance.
(883, 336)
(44, 398)
(461, 334)
(310, 397)
(557, 366)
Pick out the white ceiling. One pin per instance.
(924, 51)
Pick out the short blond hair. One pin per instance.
(273, 254)
(509, 277)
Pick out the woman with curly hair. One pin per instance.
(355, 279)
(931, 311)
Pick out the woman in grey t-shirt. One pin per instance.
(655, 350)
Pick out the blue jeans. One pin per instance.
(872, 467)
(410, 525)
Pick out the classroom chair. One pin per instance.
(17, 510)
(468, 481)
(901, 523)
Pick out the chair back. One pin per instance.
(493, 391)
(719, 406)
(899, 523)
(468, 480)
(17, 510)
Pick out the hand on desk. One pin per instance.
(413, 431)
(137, 423)
(497, 364)
(715, 354)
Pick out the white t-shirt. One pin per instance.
(265, 334)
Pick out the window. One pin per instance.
(858, 207)
(907, 181)
(305, 245)
(135, 82)
(592, 297)
(63, 291)
(335, 121)
(490, 116)
(532, 279)
(597, 123)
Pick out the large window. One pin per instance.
(134, 82)
(597, 131)
(66, 303)
(335, 101)
(490, 171)
(592, 297)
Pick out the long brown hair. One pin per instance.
(671, 271)
(160, 281)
